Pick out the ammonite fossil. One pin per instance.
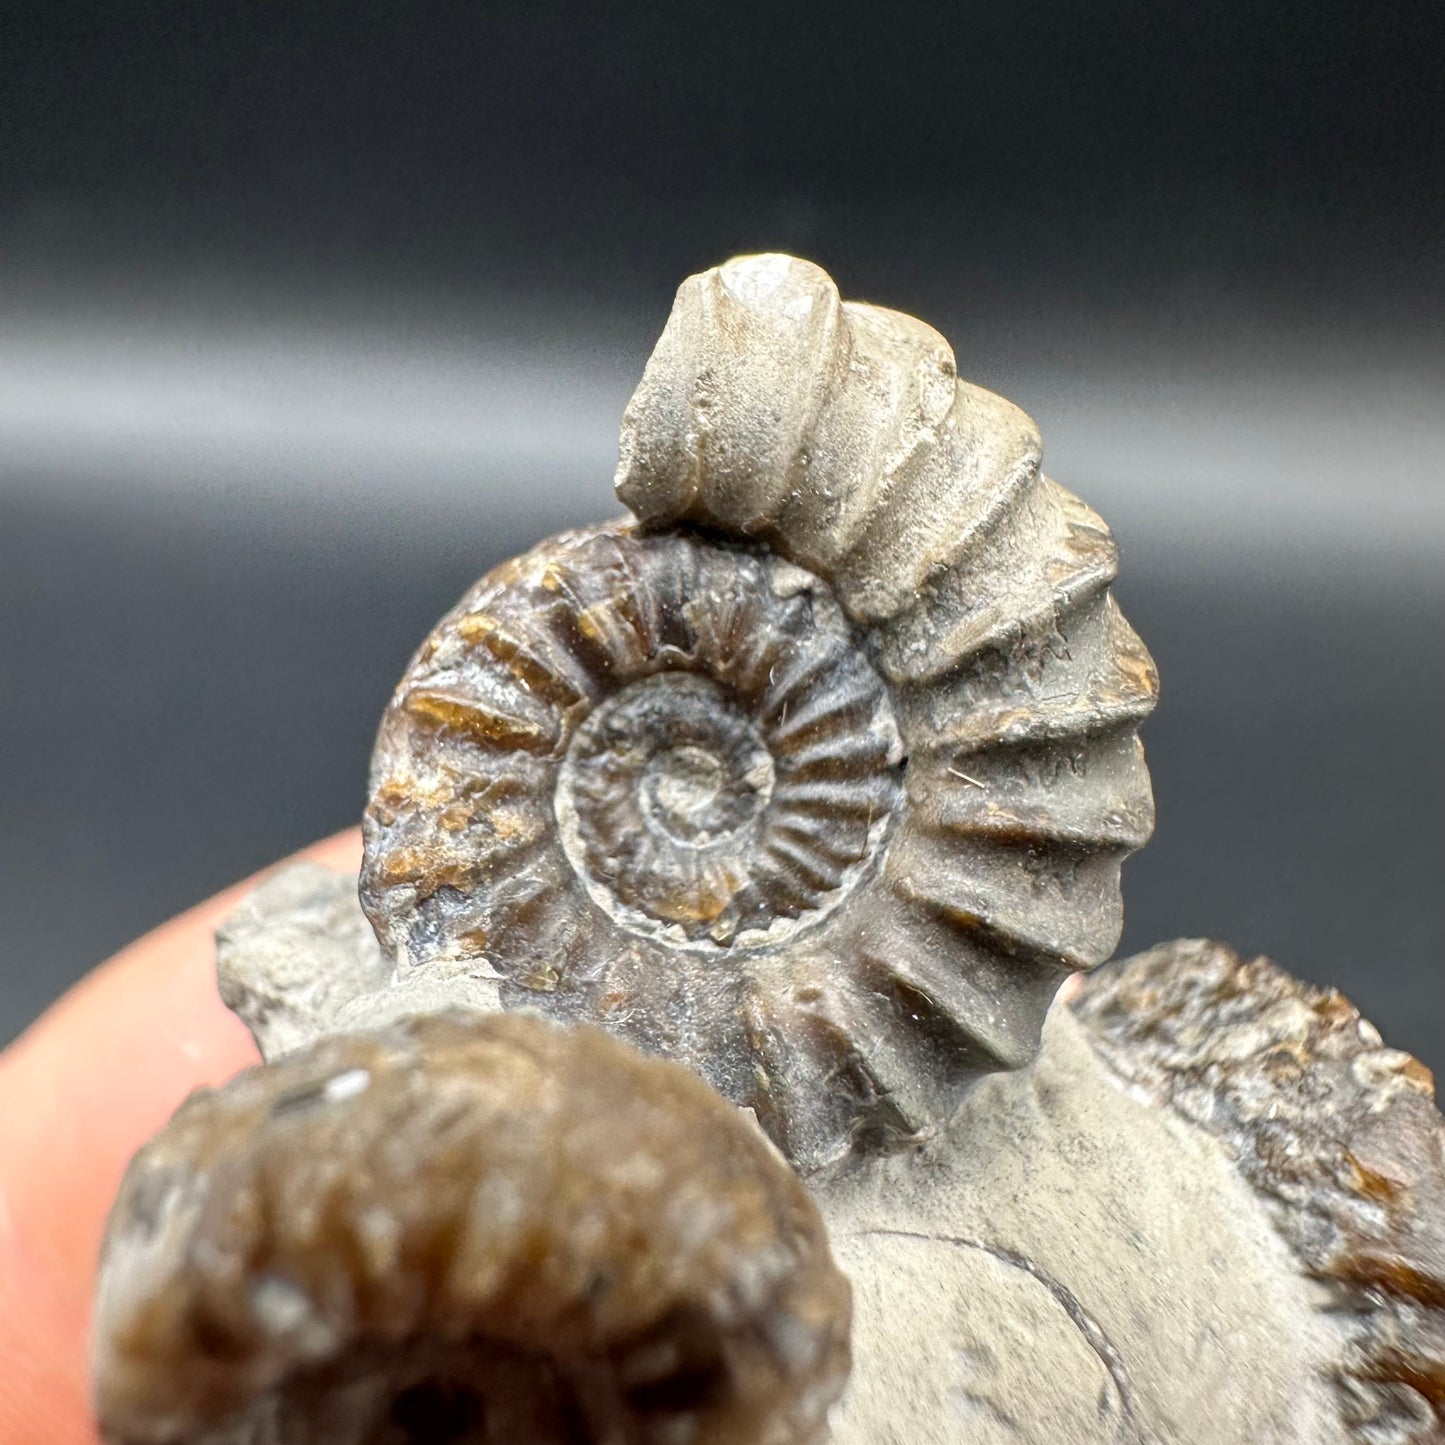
(817, 773)
(464, 1230)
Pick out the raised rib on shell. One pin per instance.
(819, 774)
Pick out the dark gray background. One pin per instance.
(310, 314)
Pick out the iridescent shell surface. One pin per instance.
(818, 773)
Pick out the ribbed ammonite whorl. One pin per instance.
(817, 775)
(465, 1230)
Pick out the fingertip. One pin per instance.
(44, 1394)
(80, 1091)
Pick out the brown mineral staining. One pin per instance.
(1339, 1135)
(466, 1229)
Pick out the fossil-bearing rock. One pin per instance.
(1338, 1135)
(464, 1229)
(1212, 1212)
(294, 954)
(817, 774)
(814, 775)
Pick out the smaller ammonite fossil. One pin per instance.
(463, 1230)
(817, 774)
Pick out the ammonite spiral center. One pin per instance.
(682, 783)
(735, 791)
(667, 809)
(667, 768)
(697, 767)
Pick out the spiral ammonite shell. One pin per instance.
(818, 774)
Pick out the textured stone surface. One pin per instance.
(1337, 1134)
(466, 1229)
(1233, 1194)
(294, 953)
(1188, 1322)
(987, 1353)
(298, 960)
(818, 775)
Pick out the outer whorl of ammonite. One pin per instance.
(465, 1230)
(818, 776)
